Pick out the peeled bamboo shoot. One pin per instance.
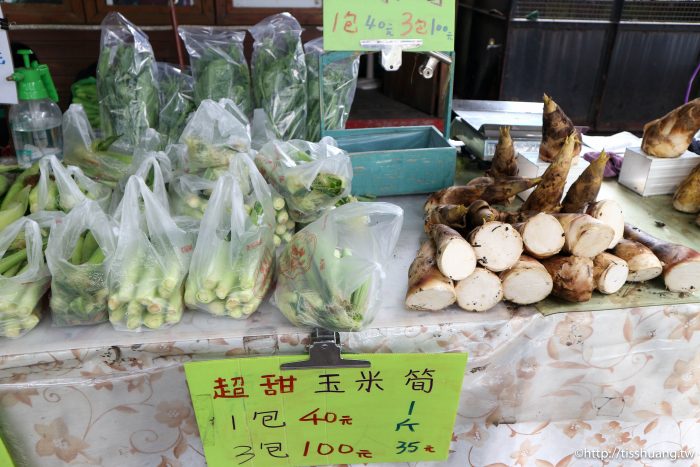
(526, 282)
(681, 267)
(687, 197)
(455, 256)
(497, 245)
(609, 273)
(543, 236)
(480, 291)
(584, 235)
(670, 135)
(642, 262)
(428, 288)
(609, 212)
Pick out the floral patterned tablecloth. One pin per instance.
(535, 390)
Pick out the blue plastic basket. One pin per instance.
(397, 160)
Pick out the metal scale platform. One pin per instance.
(476, 125)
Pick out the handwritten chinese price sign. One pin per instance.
(251, 413)
(346, 23)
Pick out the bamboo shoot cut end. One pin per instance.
(612, 277)
(588, 239)
(610, 213)
(497, 245)
(543, 235)
(457, 260)
(527, 286)
(431, 299)
(644, 267)
(481, 291)
(684, 277)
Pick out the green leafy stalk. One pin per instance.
(127, 83)
(337, 90)
(10, 261)
(16, 209)
(279, 77)
(90, 246)
(177, 101)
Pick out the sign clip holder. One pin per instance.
(324, 352)
(391, 50)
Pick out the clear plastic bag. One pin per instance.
(331, 273)
(78, 255)
(100, 159)
(146, 276)
(261, 131)
(127, 80)
(337, 89)
(189, 195)
(232, 263)
(155, 168)
(213, 136)
(279, 74)
(218, 64)
(24, 277)
(176, 101)
(312, 177)
(236, 111)
(62, 188)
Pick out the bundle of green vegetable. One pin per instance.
(331, 273)
(14, 195)
(24, 277)
(146, 275)
(337, 90)
(176, 100)
(231, 268)
(155, 168)
(213, 137)
(279, 74)
(62, 188)
(218, 65)
(127, 84)
(97, 158)
(189, 195)
(78, 254)
(84, 92)
(284, 225)
(312, 177)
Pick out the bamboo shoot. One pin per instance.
(428, 288)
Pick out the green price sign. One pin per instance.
(346, 23)
(251, 413)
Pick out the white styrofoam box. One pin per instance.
(651, 176)
(530, 165)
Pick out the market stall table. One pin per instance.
(535, 388)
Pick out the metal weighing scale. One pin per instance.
(477, 123)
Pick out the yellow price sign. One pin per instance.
(400, 409)
(346, 23)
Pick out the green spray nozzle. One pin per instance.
(25, 53)
(33, 80)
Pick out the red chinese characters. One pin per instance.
(224, 390)
(275, 384)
